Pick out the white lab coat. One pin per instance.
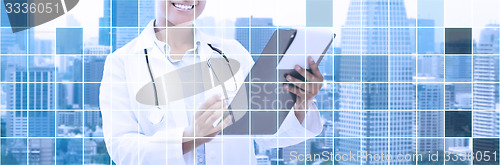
(131, 138)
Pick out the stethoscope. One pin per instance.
(156, 115)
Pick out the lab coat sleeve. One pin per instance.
(125, 141)
(310, 127)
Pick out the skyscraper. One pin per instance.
(430, 123)
(458, 69)
(124, 19)
(105, 23)
(35, 96)
(146, 12)
(41, 151)
(449, 100)
(93, 69)
(361, 101)
(485, 91)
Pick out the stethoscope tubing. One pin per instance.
(155, 91)
(152, 79)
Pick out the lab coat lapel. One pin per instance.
(160, 66)
(205, 52)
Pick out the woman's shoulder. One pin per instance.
(120, 55)
(127, 49)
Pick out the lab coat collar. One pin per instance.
(147, 39)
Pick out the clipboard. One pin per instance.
(263, 100)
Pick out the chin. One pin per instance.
(180, 22)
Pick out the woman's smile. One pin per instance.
(183, 6)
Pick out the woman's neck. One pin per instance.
(180, 39)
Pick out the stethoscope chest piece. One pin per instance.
(156, 115)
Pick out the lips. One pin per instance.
(183, 6)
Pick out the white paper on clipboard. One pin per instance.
(308, 42)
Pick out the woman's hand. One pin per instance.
(202, 131)
(305, 91)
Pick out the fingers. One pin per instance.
(211, 119)
(313, 88)
(309, 87)
(301, 71)
(210, 101)
(225, 123)
(295, 90)
(221, 125)
(296, 82)
(315, 76)
(215, 111)
(313, 66)
(308, 76)
(213, 103)
(212, 110)
(198, 113)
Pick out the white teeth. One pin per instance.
(181, 6)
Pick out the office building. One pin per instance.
(77, 88)
(458, 68)
(93, 119)
(93, 70)
(105, 24)
(70, 118)
(328, 133)
(263, 160)
(41, 151)
(35, 96)
(430, 123)
(14, 151)
(124, 13)
(485, 90)
(430, 68)
(97, 50)
(457, 143)
(449, 97)
(357, 98)
(40, 120)
(146, 12)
